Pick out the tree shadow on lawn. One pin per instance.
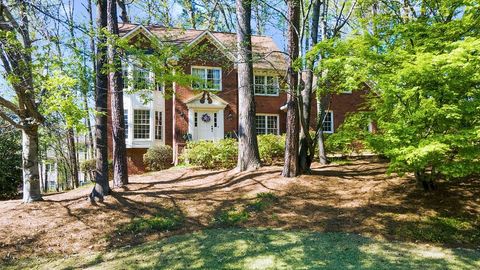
(277, 249)
(395, 211)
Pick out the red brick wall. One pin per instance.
(176, 109)
(341, 105)
(212, 57)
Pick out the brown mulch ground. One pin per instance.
(358, 198)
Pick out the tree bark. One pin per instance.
(101, 188)
(306, 155)
(320, 109)
(291, 168)
(123, 7)
(94, 66)
(248, 156)
(31, 178)
(72, 154)
(120, 171)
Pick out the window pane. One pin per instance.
(327, 122)
(260, 124)
(158, 125)
(125, 118)
(141, 124)
(259, 85)
(200, 77)
(272, 124)
(141, 78)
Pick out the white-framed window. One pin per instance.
(141, 78)
(125, 118)
(265, 85)
(141, 124)
(158, 126)
(267, 124)
(208, 78)
(328, 122)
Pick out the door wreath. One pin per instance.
(206, 118)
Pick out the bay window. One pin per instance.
(141, 124)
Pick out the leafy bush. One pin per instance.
(231, 217)
(209, 155)
(166, 221)
(271, 147)
(263, 201)
(89, 166)
(351, 136)
(158, 157)
(10, 163)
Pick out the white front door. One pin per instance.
(207, 125)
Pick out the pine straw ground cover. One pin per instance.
(352, 200)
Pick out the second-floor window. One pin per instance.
(207, 78)
(141, 79)
(141, 124)
(265, 85)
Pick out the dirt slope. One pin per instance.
(357, 197)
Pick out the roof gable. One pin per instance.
(266, 54)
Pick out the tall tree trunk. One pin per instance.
(31, 178)
(45, 180)
(320, 109)
(94, 66)
(101, 187)
(248, 156)
(120, 172)
(123, 7)
(322, 155)
(72, 153)
(306, 155)
(291, 168)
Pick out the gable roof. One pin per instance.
(266, 54)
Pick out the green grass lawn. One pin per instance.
(266, 249)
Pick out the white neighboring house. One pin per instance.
(144, 108)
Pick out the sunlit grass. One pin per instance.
(266, 249)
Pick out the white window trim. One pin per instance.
(163, 126)
(130, 63)
(206, 68)
(150, 131)
(277, 85)
(333, 123)
(266, 123)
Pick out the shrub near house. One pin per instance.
(158, 157)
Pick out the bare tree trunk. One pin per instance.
(322, 155)
(120, 171)
(320, 110)
(123, 7)
(306, 156)
(92, 49)
(31, 179)
(101, 187)
(45, 180)
(291, 168)
(248, 156)
(72, 153)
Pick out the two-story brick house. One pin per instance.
(207, 108)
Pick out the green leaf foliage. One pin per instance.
(423, 71)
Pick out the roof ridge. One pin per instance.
(187, 29)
